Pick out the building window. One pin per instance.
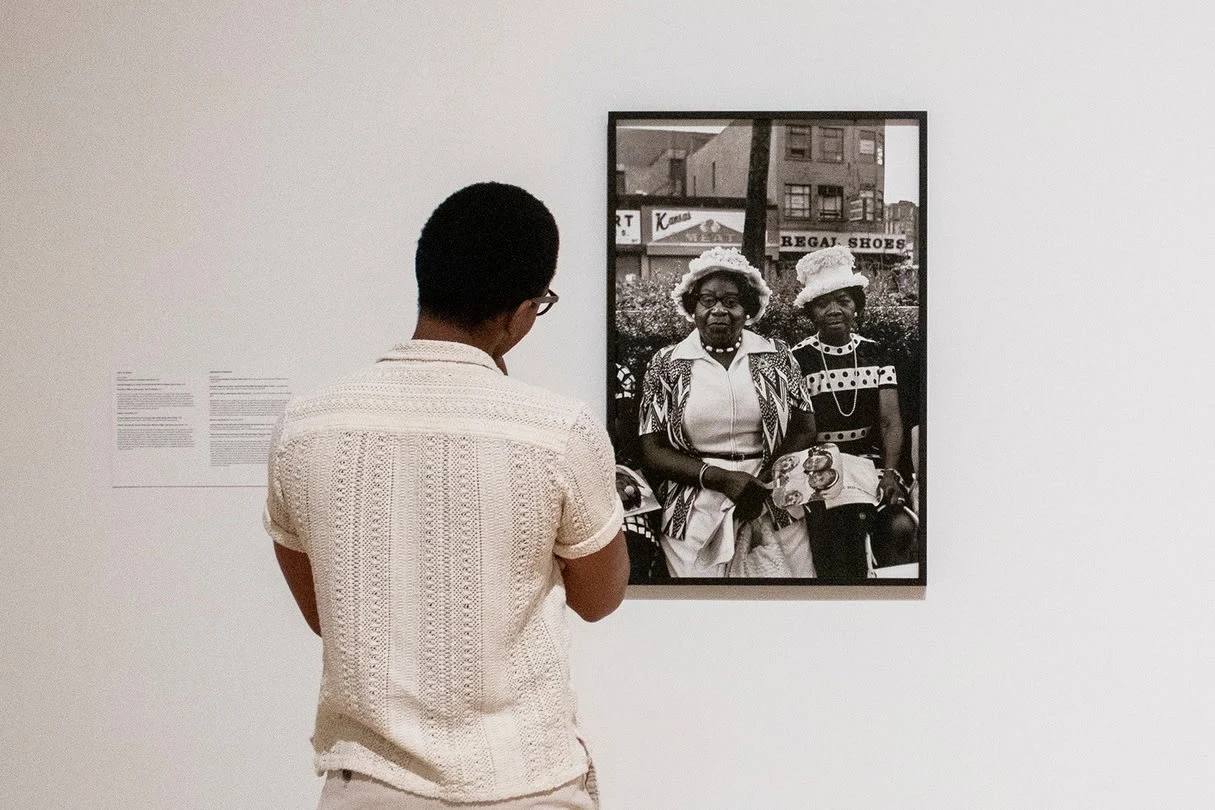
(866, 149)
(831, 144)
(797, 201)
(864, 207)
(881, 149)
(797, 143)
(677, 177)
(830, 202)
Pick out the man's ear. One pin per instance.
(522, 319)
(515, 325)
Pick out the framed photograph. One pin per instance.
(766, 363)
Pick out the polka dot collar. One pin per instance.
(826, 348)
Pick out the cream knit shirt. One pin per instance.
(431, 493)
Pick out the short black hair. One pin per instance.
(486, 249)
(748, 296)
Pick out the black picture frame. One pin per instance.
(679, 182)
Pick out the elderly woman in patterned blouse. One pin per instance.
(716, 409)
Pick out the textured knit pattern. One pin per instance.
(431, 494)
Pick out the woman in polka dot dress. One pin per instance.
(856, 407)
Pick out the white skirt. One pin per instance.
(716, 544)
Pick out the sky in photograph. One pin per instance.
(902, 163)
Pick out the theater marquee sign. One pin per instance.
(856, 242)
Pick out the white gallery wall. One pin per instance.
(186, 184)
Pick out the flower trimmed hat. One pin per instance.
(721, 260)
(827, 271)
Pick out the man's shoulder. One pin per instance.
(423, 398)
(333, 395)
(533, 402)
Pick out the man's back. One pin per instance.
(430, 493)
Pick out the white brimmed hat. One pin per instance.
(826, 271)
(722, 260)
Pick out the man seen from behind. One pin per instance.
(433, 517)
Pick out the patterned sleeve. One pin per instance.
(276, 518)
(799, 394)
(591, 512)
(655, 404)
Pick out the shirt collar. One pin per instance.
(440, 351)
(826, 348)
(690, 348)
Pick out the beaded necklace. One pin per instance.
(725, 350)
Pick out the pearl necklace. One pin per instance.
(856, 391)
(726, 350)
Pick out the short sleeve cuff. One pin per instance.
(599, 539)
(280, 535)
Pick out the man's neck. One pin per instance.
(489, 337)
(431, 328)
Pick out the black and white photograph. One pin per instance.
(766, 353)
